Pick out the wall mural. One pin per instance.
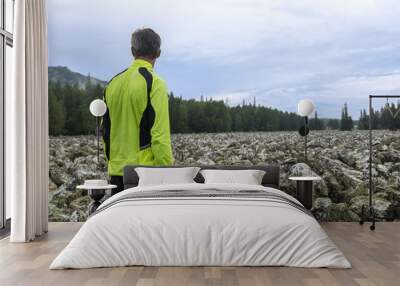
(236, 72)
(337, 149)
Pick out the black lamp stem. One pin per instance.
(305, 138)
(98, 139)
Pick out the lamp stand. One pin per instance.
(98, 139)
(303, 131)
(305, 138)
(368, 212)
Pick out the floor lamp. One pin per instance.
(98, 108)
(368, 212)
(305, 108)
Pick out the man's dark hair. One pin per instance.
(145, 43)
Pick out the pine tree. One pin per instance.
(346, 122)
(56, 114)
(363, 121)
(316, 123)
(333, 124)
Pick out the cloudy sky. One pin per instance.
(276, 51)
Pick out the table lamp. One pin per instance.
(305, 108)
(98, 108)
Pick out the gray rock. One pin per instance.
(340, 158)
(205, 161)
(322, 203)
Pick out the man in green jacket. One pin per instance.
(136, 125)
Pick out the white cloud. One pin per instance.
(329, 98)
(361, 87)
(235, 97)
(198, 29)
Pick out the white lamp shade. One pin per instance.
(305, 107)
(98, 107)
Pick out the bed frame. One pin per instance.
(270, 179)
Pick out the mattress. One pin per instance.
(201, 225)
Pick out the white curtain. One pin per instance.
(27, 124)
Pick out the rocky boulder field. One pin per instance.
(340, 158)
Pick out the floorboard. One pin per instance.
(375, 257)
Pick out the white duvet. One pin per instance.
(200, 231)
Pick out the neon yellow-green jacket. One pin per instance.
(136, 125)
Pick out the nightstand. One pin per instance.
(96, 193)
(304, 190)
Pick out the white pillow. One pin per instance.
(166, 176)
(248, 177)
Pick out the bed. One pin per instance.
(197, 224)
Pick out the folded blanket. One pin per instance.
(206, 193)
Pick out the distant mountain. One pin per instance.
(65, 76)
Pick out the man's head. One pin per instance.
(145, 44)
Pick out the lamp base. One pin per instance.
(304, 193)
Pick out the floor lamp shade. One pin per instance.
(305, 107)
(98, 107)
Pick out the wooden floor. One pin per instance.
(375, 257)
